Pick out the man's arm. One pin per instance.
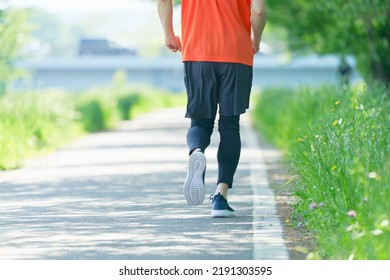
(258, 20)
(165, 11)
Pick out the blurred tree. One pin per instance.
(359, 27)
(13, 36)
(48, 29)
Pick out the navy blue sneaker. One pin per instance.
(194, 188)
(220, 207)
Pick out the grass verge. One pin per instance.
(31, 124)
(35, 123)
(337, 142)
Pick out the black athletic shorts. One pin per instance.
(213, 84)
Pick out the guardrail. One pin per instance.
(81, 73)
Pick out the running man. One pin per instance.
(219, 40)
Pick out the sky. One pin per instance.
(84, 5)
(136, 13)
(137, 20)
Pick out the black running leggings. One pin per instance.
(229, 148)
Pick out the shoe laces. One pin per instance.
(211, 197)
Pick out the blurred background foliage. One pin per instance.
(14, 30)
(360, 28)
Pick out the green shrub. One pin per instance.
(149, 99)
(98, 110)
(92, 115)
(126, 103)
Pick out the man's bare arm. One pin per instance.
(258, 20)
(165, 11)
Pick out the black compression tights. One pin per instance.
(229, 148)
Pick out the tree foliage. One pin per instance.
(13, 36)
(357, 27)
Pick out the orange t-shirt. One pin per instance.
(217, 31)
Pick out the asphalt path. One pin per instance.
(117, 195)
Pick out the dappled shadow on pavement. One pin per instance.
(121, 217)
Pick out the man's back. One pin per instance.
(217, 30)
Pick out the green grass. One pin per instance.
(337, 142)
(32, 124)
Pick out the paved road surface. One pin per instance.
(118, 195)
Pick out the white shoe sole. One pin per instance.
(222, 214)
(194, 189)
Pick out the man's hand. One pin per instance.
(258, 21)
(255, 45)
(173, 43)
(165, 11)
